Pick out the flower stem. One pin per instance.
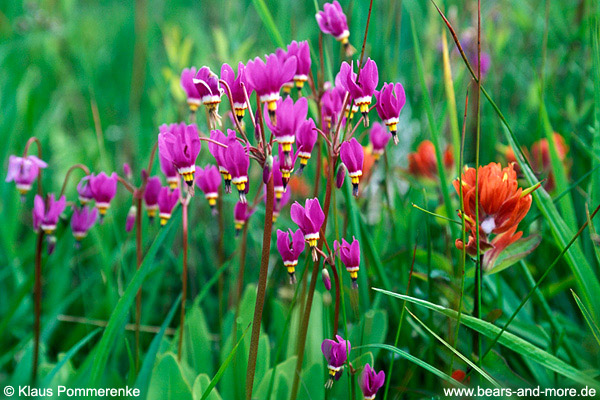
(262, 288)
(37, 294)
(184, 210)
(336, 317)
(139, 258)
(313, 282)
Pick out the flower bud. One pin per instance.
(341, 174)
(130, 218)
(127, 171)
(51, 241)
(326, 278)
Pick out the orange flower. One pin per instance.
(502, 205)
(423, 162)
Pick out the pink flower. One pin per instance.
(209, 180)
(240, 216)
(187, 83)
(268, 78)
(207, 85)
(371, 382)
(289, 116)
(237, 163)
(361, 92)
(46, 213)
(82, 220)
(103, 188)
(352, 156)
(379, 139)
(127, 171)
(151, 193)
(326, 278)
(331, 106)
(130, 220)
(169, 171)
(350, 256)
(290, 251)
(332, 21)
(218, 153)
(306, 138)
(309, 219)
(180, 144)
(278, 205)
(301, 51)
(235, 85)
(167, 200)
(390, 101)
(286, 166)
(84, 190)
(336, 354)
(23, 171)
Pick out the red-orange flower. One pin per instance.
(502, 205)
(423, 162)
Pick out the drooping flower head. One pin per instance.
(46, 213)
(301, 51)
(130, 219)
(309, 219)
(289, 116)
(169, 171)
(306, 137)
(240, 216)
(84, 190)
(379, 139)
(371, 381)
(180, 144)
(235, 85)
(332, 21)
(336, 354)
(363, 91)
(219, 152)
(167, 200)
(82, 220)
(207, 84)
(280, 203)
(151, 193)
(237, 162)
(502, 205)
(352, 156)
(286, 166)
(209, 180)
(350, 256)
(331, 106)
(277, 179)
(268, 78)
(390, 100)
(187, 84)
(23, 171)
(290, 251)
(103, 188)
(423, 162)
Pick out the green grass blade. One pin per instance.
(588, 318)
(267, 19)
(508, 340)
(118, 316)
(416, 361)
(462, 357)
(224, 366)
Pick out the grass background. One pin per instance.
(94, 80)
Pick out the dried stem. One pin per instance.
(262, 288)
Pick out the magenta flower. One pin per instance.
(180, 144)
(350, 256)
(23, 171)
(130, 220)
(207, 84)
(84, 190)
(209, 180)
(306, 138)
(240, 216)
(218, 153)
(289, 116)
(361, 92)
(301, 51)
(390, 100)
(267, 78)
(187, 83)
(237, 163)
(46, 213)
(340, 176)
(290, 252)
(332, 21)
(82, 220)
(331, 106)
(371, 382)
(153, 187)
(103, 189)
(283, 56)
(379, 139)
(352, 156)
(169, 171)
(235, 85)
(280, 203)
(286, 166)
(277, 179)
(167, 200)
(336, 354)
(309, 219)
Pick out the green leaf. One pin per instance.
(417, 361)
(118, 316)
(508, 340)
(200, 385)
(196, 342)
(167, 381)
(513, 254)
(267, 19)
(588, 318)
